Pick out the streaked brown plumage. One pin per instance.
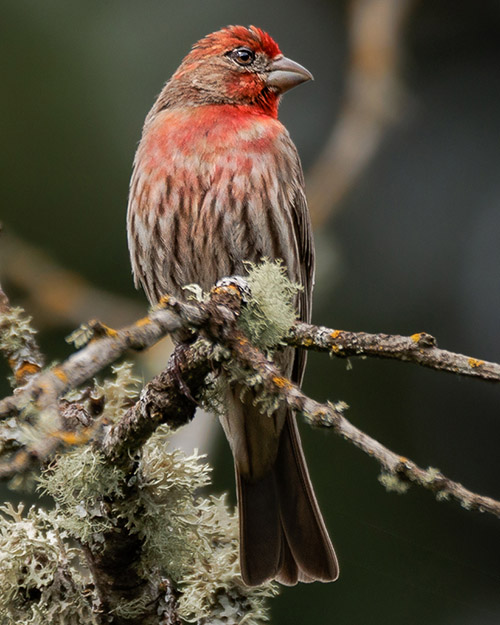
(217, 181)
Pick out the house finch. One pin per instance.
(217, 181)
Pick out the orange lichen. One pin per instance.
(27, 368)
(282, 382)
(73, 438)
(101, 329)
(143, 322)
(222, 289)
(473, 363)
(59, 373)
(164, 300)
(417, 336)
(335, 334)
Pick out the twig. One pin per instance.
(332, 416)
(45, 388)
(420, 348)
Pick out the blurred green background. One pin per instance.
(412, 245)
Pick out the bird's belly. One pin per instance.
(217, 241)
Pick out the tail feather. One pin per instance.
(260, 529)
(301, 518)
(282, 533)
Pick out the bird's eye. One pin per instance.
(243, 56)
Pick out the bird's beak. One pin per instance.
(283, 74)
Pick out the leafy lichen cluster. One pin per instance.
(16, 330)
(187, 537)
(393, 484)
(194, 538)
(41, 576)
(17, 343)
(271, 308)
(267, 316)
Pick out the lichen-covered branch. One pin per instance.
(164, 399)
(170, 397)
(131, 503)
(420, 348)
(41, 395)
(106, 346)
(398, 471)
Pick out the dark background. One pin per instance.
(414, 246)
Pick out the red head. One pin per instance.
(235, 65)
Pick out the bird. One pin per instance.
(217, 182)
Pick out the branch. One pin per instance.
(212, 341)
(43, 391)
(332, 416)
(170, 397)
(420, 348)
(115, 562)
(164, 399)
(100, 352)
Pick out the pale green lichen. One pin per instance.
(213, 397)
(15, 330)
(18, 344)
(133, 608)
(443, 495)
(40, 576)
(194, 292)
(119, 392)
(213, 591)
(78, 481)
(266, 317)
(193, 539)
(392, 483)
(186, 537)
(434, 478)
(167, 515)
(431, 475)
(81, 336)
(271, 309)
